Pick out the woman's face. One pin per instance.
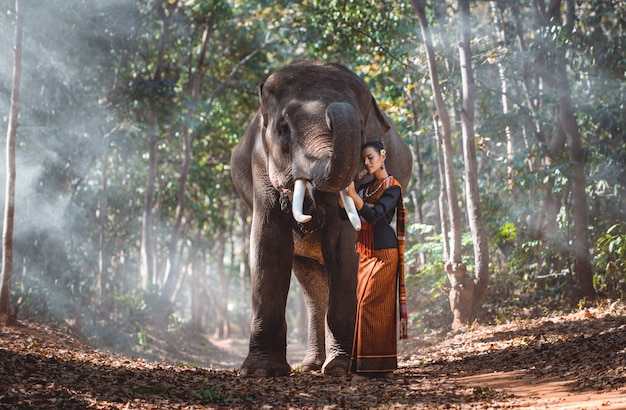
(372, 160)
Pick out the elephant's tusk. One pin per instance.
(350, 208)
(298, 201)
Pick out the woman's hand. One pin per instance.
(358, 202)
(351, 193)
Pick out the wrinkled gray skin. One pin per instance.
(313, 119)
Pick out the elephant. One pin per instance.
(298, 154)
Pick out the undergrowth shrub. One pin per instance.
(610, 262)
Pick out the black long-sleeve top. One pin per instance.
(381, 215)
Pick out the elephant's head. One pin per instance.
(312, 120)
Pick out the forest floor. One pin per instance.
(564, 361)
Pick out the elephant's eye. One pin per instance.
(283, 130)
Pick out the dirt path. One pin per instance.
(546, 393)
(575, 361)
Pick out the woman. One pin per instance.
(374, 352)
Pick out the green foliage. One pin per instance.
(610, 262)
(141, 337)
(30, 342)
(482, 391)
(507, 234)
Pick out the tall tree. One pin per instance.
(582, 261)
(148, 264)
(502, 42)
(474, 212)
(466, 293)
(103, 209)
(461, 289)
(9, 207)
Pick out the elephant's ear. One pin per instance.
(263, 108)
(384, 122)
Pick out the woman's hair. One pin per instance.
(377, 145)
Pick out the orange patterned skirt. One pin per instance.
(375, 347)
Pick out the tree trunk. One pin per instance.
(462, 287)
(148, 240)
(147, 246)
(222, 323)
(568, 132)
(198, 297)
(501, 37)
(442, 201)
(476, 223)
(103, 257)
(417, 155)
(208, 302)
(157, 275)
(9, 208)
(102, 263)
(178, 286)
(444, 119)
(173, 271)
(418, 172)
(582, 261)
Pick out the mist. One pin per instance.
(64, 116)
(82, 152)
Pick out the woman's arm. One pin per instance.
(358, 201)
(387, 201)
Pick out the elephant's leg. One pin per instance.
(271, 250)
(341, 262)
(312, 277)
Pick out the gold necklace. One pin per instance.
(367, 189)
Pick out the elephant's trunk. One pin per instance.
(334, 173)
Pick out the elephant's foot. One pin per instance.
(264, 366)
(337, 366)
(312, 363)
